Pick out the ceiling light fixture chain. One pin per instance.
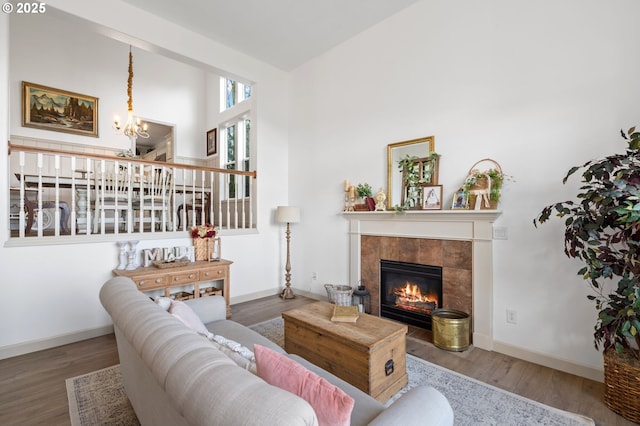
(133, 128)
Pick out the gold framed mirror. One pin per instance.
(420, 148)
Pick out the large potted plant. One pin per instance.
(602, 229)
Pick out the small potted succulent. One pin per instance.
(365, 194)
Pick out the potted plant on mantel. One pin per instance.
(603, 230)
(364, 192)
(416, 172)
(490, 180)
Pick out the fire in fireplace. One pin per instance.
(410, 292)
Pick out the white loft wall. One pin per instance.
(538, 86)
(54, 289)
(164, 89)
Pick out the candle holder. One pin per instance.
(348, 202)
(123, 254)
(132, 262)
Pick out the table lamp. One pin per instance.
(288, 215)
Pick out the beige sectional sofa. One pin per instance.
(174, 376)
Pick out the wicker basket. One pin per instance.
(339, 294)
(182, 295)
(622, 384)
(210, 291)
(202, 248)
(482, 184)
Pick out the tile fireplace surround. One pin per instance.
(459, 241)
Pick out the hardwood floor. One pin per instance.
(32, 386)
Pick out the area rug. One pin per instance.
(473, 402)
(98, 398)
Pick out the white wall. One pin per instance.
(537, 86)
(164, 89)
(53, 290)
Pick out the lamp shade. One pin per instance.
(288, 214)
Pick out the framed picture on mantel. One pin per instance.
(432, 197)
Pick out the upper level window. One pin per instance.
(237, 136)
(234, 92)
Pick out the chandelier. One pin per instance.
(133, 127)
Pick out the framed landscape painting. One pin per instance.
(59, 110)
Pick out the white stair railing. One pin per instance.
(66, 186)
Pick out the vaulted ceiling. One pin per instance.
(283, 33)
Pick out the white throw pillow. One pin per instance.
(239, 354)
(184, 313)
(163, 302)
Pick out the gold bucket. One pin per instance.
(450, 329)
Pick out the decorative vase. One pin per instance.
(202, 248)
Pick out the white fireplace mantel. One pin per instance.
(467, 225)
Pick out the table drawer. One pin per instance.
(213, 274)
(183, 277)
(151, 282)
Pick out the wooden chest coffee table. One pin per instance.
(369, 354)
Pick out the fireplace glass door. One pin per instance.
(410, 292)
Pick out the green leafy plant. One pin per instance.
(364, 190)
(413, 180)
(602, 229)
(497, 181)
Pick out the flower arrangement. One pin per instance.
(204, 231)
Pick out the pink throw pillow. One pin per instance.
(332, 405)
(184, 313)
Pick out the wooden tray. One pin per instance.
(164, 264)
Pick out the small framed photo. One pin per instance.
(59, 110)
(460, 200)
(212, 142)
(432, 197)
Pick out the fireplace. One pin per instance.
(410, 292)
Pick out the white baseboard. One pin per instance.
(266, 293)
(52, 342)
(479, 340)
(552, 362)
(252, 296)
(501, 347)
(64, 339)
(482, 341)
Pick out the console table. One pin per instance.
(195, 273)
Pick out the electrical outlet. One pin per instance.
(500, 233)
(314, 276)
(512, 316)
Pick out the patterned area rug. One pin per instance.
(473, 402)
(98, 398)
